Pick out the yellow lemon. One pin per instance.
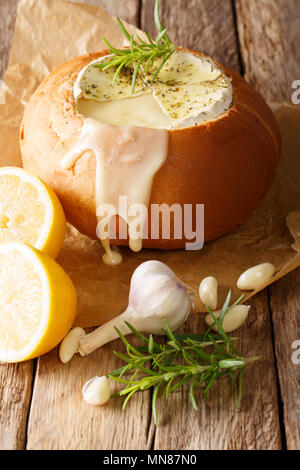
(30, 211)
(37, 302)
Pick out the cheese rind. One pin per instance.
(183, 68)
(97, 84)
(188, 91)
(191, 104)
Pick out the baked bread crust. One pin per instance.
(226, 164)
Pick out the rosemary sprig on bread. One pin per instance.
(140, 53)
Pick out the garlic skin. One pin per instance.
(70, 344)
(155, 295)
(255, 277)
(232, 320)
(156, 291)
(96, 391)
(208, 292)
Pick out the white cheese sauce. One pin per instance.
(142, 110)
(127, 159)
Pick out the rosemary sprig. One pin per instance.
(139, 52)
(197, 360)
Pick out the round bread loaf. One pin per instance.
(227, 164)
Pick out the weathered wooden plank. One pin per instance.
(285, 307)
(15, 394)
(60, 418)
(7, 21)
(15, 379)
(269, 33)
(217, 424)
(269, 37)
(209, 26)
(127, 10)
(203, 25)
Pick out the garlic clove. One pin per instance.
(96, 391)
(70, 344)
(232, 320)
(255, 277)
(208, 292)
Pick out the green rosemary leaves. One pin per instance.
(140, 53)
(196, 360)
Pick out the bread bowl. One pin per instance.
(226, 163)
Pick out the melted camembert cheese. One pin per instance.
(127, 159)
(128, 133)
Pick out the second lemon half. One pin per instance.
(37, 302)
(30, 211)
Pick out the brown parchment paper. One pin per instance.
(50, 32)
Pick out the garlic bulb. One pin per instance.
(96, 391)
(155, 295)
(232, 320)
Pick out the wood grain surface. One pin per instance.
(127, 10)
(15, 396)
(206, 25)
(218, 424)
(61, 419)
(15, 379)
(7, 22)
(41, 404)
(269, 35)
(285, 308)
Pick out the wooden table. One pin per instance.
(41, 405)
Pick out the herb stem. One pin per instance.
(197, 360)
(139, 52)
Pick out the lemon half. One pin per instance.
(30, 211)
(37, 302)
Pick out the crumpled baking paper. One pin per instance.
(50, 32)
